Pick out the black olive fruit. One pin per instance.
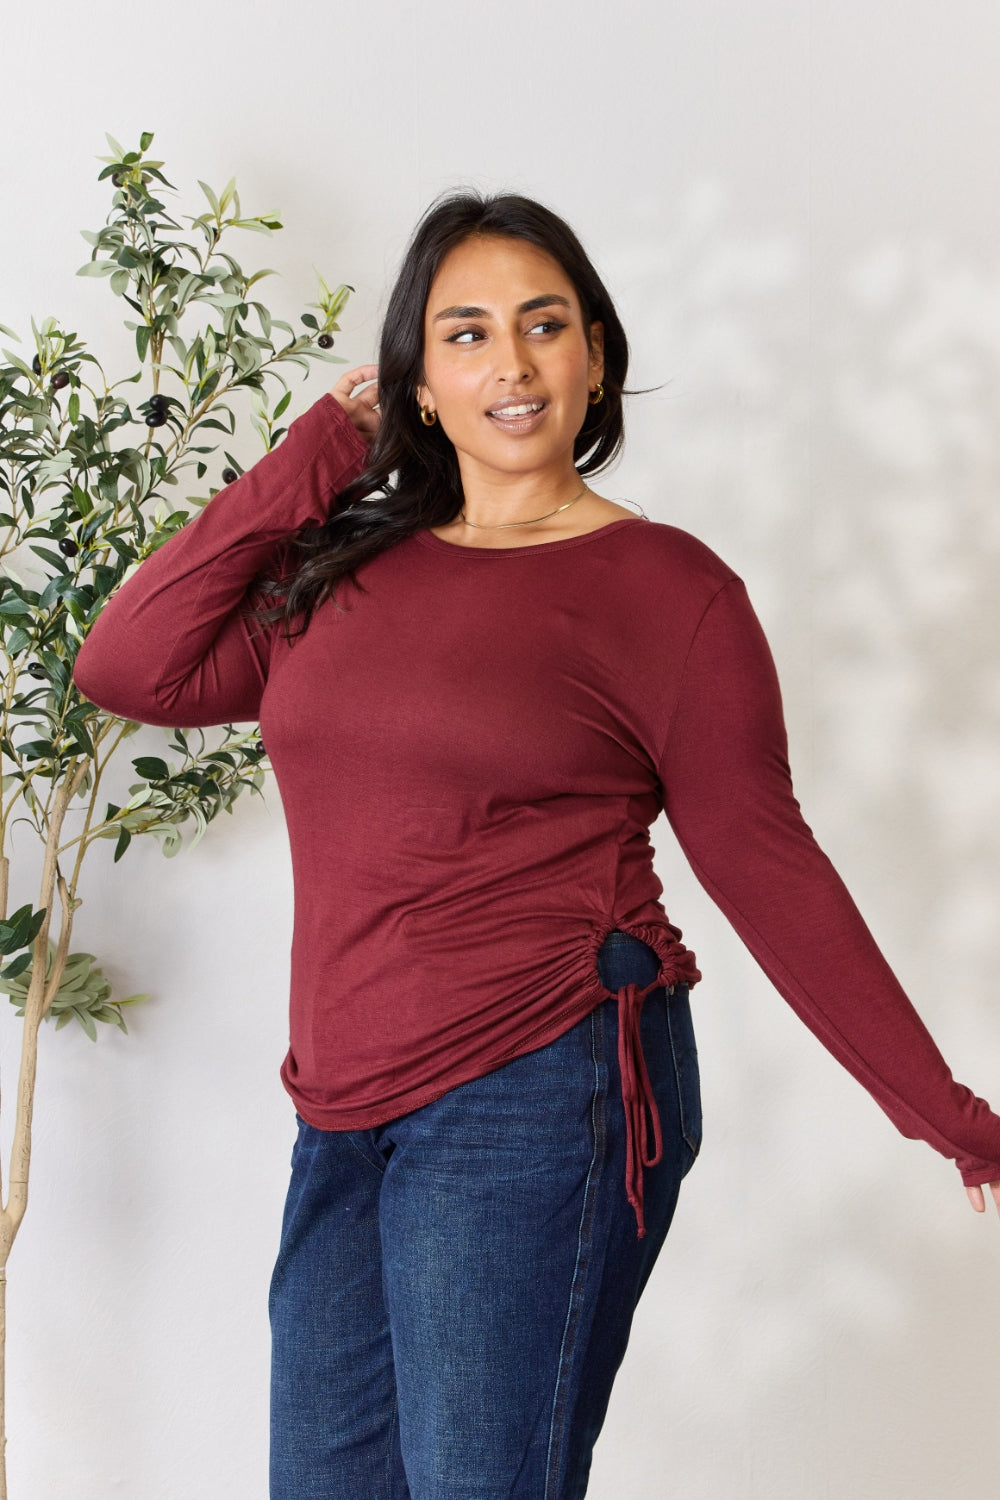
(60, 381)
(229, 476)
(157, 410)
(36, 365)
(116, 178)
(35, 669)
(325, 341)
(68, 547)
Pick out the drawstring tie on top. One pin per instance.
(642, 1118)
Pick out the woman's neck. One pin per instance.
(492, 501)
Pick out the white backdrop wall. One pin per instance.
(795, 205)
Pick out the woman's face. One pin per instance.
(508, 361)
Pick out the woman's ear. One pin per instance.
(597, 351)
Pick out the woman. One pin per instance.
(479, 682)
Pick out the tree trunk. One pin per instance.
(41, 992)
(5, 1244)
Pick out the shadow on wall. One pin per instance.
(830, 429)
(833, 430)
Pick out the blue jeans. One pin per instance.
(454, 1290)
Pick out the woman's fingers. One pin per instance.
(351, 379)
(978, 1200)
(357, 392)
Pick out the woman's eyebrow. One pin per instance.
(546, 300)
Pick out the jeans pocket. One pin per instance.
(685, 1055)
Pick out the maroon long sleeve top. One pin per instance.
(470, 756)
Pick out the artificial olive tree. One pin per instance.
(93, 478)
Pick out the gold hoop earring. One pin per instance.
(595, 397)
(427, 416)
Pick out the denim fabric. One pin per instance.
(454, 1290)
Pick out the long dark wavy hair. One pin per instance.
(412, 479)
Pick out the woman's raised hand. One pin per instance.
(357, 392)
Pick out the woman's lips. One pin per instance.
(518, 417)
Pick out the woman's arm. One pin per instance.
(173, 646)
(728, 796)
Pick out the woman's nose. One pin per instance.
(512, 359)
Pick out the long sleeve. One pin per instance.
(728, 796)
(172, 647)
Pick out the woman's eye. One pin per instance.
(476, 335)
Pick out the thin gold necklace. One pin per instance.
(505, 524)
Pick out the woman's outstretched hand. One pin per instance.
(361, 405)
(978, 1200)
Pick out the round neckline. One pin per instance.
(428, 539)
